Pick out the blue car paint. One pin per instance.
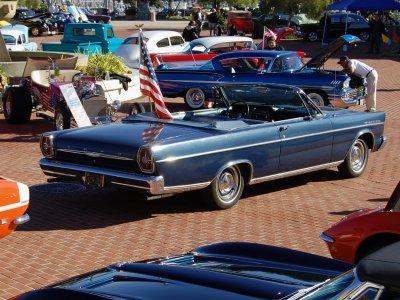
(191, 150)
(175, 82)
(227, 270)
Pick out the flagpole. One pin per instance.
(263, 37)
(139, 27)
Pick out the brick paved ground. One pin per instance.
(80, 230)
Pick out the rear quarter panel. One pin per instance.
(349, 125)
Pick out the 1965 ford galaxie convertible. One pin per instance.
(324, 87)
(254, 133)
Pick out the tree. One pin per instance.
(312, 8)
(31, 4)
(232, 3)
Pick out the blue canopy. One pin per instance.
(365, 5)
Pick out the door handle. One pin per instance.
(283, 128)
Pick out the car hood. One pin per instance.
(318, 60)
(129, 54)
(218, 271)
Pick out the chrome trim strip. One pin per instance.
(188, 187)
(22, 219)
(175, 158)
(12, 206)
(295, 172)
(94, 154)
(151, 184)
(326, 238)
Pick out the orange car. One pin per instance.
(14, 201)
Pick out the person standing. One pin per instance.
(197, 17)
(362, 70)
(375, 39)
(212, 21)
(69, 20)
(270, 44)
(190, 32)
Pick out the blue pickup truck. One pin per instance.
(86, 38)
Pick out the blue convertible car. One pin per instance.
(233, 271)
(322, 86)
(254, 133)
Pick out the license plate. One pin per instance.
(94, 179)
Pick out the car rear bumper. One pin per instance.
(153, 185)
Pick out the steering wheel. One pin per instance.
(239, 109)
(76, 78)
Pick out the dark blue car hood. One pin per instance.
(217, 271)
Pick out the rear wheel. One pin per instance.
(194, 98)
(136, 108)
(318, 98)
(17, 105)
(62, 118)
(35, 31)
(364, 35)
(312, 36)
(226, 189)
(356, 160)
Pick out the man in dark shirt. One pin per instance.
(375, 39)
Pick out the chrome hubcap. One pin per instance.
(228, 185)
(357, 156)
(59, 122)
(196, 98)
(8, 106)
(317, 99)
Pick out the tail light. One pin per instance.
(46, 145)
(146, 160)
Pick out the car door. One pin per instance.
(306, 139)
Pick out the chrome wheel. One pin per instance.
(358, 156)
(7, 105)
(59, 121)
(364, 36)
(317, 98)
(312, 36)
(195, 98)
(356, 160)
(35, 31)
(228, 184)
(226, 189)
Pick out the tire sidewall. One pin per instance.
(189, 102)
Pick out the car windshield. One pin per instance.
(27, 13)
(133, 40)
(287, 63)
(330, 289)
(278, 96)
(9, 39)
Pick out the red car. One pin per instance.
(365, 231)
(14, 201)
(239, 22)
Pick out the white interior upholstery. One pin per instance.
(41, 77)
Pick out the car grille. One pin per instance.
(355, 94)
(96, 159)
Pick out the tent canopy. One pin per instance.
(365, 5)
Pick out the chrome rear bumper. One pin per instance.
(153, 185)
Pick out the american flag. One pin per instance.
(269, 33)
(148, 81)
(150, 134)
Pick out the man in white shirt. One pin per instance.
(360, 69)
